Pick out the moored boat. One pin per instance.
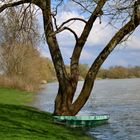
(81, 121)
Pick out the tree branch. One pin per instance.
(56, 8)
(62, 27)
(4, 6)
(53, 44)
(116, 39)
(85, 8)
(65, 28)
(71, 19)
(73, 32)
(16, 3)
(82, 39)
(55, 21)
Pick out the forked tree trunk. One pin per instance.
(64, 104)
(63, 101)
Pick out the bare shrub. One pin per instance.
(18, 82)
(24, 68)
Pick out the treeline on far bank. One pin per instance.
(113, 72)
(119, 72)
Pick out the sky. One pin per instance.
(125, 54)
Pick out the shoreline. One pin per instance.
(20, 122)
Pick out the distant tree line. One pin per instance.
(113, 72)
(118, 72)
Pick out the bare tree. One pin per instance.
(64, 104)
(19, 31)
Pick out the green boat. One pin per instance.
(81, 121)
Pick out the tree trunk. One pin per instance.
(63, 101)
(67, 84)
(90, 78)
(64, 104)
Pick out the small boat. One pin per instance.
(82, 121)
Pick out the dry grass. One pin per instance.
(19, 83)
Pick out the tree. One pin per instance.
(64, 104)
(20, 60)
(16, 40)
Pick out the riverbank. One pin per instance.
(19, 122)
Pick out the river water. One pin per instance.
(119, 98)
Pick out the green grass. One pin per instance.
(19, 122)
(15, 96)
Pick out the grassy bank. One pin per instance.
(18, 122)
(15, 96)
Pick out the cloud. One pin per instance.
(99, 35)
(125, 54)
(134, 42)
(66, 38)
(125, 57)
(86, 55)
(44, 51)
(67, 53)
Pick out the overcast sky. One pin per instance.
(126, 54)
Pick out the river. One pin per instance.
(120, 98)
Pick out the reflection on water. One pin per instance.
(119, 98)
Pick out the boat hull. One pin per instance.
(81, 121)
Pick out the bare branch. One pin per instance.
(24, 15)
(54, 13)
(3, 7)
(65, 28)
(116, 39)
(85, 8)
(62, 27)
(71, 19)
(69, 29)
(55, 21)
(56, 8)
(85, 33)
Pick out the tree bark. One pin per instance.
(68, 82)
(62, 101)
(63, 104)
(90, 78)
(82, 39)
